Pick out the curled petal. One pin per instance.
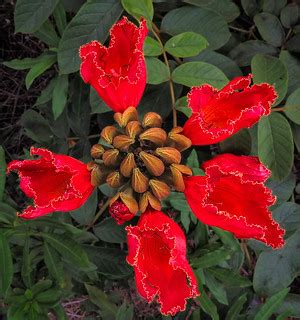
(234, 198)
(157, 251)
(216, 115)
(117, 73)
(55, 182)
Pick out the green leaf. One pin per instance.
(97, 104)
(23, 64)
(270, 28)
(239, 143)
(273, 6)
(229, 277)
(208, 306)
(288, 215)
(216, 288)
(46, 94)
(199, 20)
(60, 95)
(211, 259)
(243, 53)
(125, 312)
(289, 15)
(275, 145)
(250, 7)
(59, 15)
(270, 70)
(2, 172)
(107, 230)
(85, 214)
(152, 47)
(196, 73)
(31, 14)
(99, 298)
(271, 305)
(292, 106)
(27, 269)
(291, 305)
(139, 9)
(39, 68)
(292, 64)
(186, 44)
(236, 308)
(225, 8)
(157, 71)
(276, 269)
(47, 34)
(92, 22)
(49, 297)
(6, 266)
(68, 249)
(293, 43)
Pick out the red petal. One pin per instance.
(55, 182)
(235, 200)
(157, 251)
(117, 73)
(219, 114)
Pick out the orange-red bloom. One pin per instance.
(120, 212)
(217, 114)
(117, 73)
(55, 182)
(233, 197)
(157, 251)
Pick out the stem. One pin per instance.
(89, 137)
(156, 33)
(278, 109)
(239, 29)
(246, 252)
(98, 215)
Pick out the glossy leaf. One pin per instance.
(107, 230)
(139, 8)
(6, 265)
(157, 71)
(236, 308)
(60, 95)
(292, 106)
(152, 47)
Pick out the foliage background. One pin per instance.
(67, 266)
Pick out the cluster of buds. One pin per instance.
(139, 159)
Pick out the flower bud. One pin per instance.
(128, 199)
(123, 142)
(139, 181)
(148, 199)
(127, 165)
(97, 176)
(120, 212)
(97, 151)
(169, 155)
(152, 120)
(156, 135)
(114, 179)
(177, 171)
(108, 134)
(130, 114)
(179, 141)
(153, 164)
(133, 129)
(111, 157)
(160, 189)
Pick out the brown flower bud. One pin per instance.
(183, 169)
(111, 157)
(97, 176)
(177, 173)
(139, 181)
(148, 199)
(114, 179)
(130, 114)
(179, 141)
(152, 120)
(128, 199)
(153, 164)
(97, 151)
(127, 165)
(108, 134)
(123, 142)
(133, 129)
(91, 165)
(169, 155)
(159, 188)
(156, 135)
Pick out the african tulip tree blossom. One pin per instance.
(233, 197)
(117, 73)
(55, 182)
(157, 251)
(217, 114)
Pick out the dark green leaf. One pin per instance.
(288, 215)
(293, 44)
(27, 269)
(60, 95)
(22, 64)
(239, 143)
(270, 28)
(250, 7)
(46, 94)
(271, 305)
(59, 15)
(97, 104)
(186, 44)
(211, 259)
(216, 288)
(2, 172)
(92, 22)
(197, 73)
(229, 277)
(289, 15)
(275, 145)
(152, 47)
(291, 305)
(198, 20)
(292, 106)
(243, 53)
(47, 34)
(236, 308)
(125, 312)
(50, 297)
(157, 71)
(273, 6)
(30, 15)
(208, 306)
(107, 230)
(270, 70)
(139, 9)
(6, 266)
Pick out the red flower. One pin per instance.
(117, 73)
(55, 182)
(120, 212)
(233, 197)
(157, 251)
(218, 114)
